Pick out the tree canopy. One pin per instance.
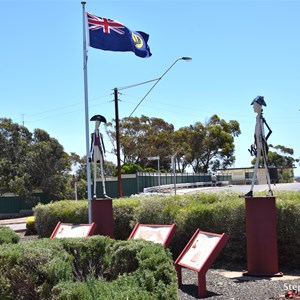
(201, 146)
(31, 161)
(144, 137)
(208, 146)
(281, 157)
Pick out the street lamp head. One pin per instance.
(186, 58)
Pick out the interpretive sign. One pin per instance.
(199, 254)
(64, 230)
(161, 234)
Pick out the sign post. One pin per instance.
(199, 254)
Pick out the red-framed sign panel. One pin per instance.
(161, 234)
(199, 254)
(67, 230)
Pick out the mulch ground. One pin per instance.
(227, 285)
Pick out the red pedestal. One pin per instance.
(102, 215)
(262, 253)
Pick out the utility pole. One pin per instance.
(120, 194)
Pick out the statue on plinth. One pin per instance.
(98, 151)
(260, 147)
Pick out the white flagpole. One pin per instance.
(86, 101)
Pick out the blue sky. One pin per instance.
(240, 49)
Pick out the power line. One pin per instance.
(30, 116)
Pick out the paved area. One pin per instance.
(242, 189)
(18, 225)
(239, 276)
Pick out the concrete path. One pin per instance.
(18, 225)
(242, 189)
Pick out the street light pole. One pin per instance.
(158, 79)
(120, 193)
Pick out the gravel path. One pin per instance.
(225, 285)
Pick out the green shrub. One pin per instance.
(8, 236)
(128, 168)
(139, 270)
(124, 258)
(30, 270)
(212, 212)
(124, 211)
(288, 224)
(67, 211)
(86, 268)
(124, 287)
(157, 210)
(89, 255)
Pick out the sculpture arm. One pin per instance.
(102, 143)
(270, 131)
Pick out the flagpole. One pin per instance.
(86, 102)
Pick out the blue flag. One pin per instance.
(107, 34)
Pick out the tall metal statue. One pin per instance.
(260, 147)
(98, 151)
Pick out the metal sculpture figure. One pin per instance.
(260, 147)
(98, 151)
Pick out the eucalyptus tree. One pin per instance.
(210, 145)
(48, 164)
(31, 161)
(14, 145)
(182, 148)
(281, 157)
(201, 146)
(143, 137)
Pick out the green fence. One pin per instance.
(131, 184)
(136, 183)
(15, 204)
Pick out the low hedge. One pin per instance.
(67, 211)
(86, 268)
(212, 212)
(8, 236)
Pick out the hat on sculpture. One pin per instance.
(260, 100)
(98, 118)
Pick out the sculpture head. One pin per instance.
(257, 103)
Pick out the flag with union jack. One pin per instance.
(111, 35)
